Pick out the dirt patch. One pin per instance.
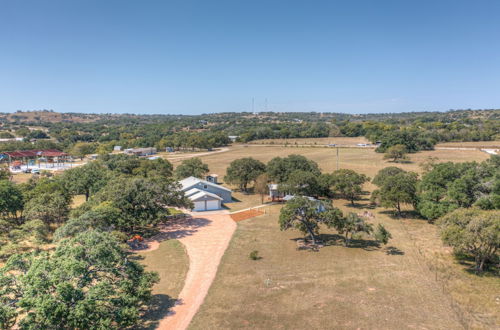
(244, 215)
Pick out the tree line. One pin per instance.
(416, 131)
(462, 198)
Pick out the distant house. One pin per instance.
(205, 195)
(233, 138)
(117, 148)
(320, 207)
(140, 151)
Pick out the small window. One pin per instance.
(205, 186)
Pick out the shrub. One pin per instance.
(254, 255)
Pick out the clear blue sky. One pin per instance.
(210, 56)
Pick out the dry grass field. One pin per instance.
(363, 160)
(478, 144)
(416, 283)
(365, 286)
(314, 141)
(171, 262)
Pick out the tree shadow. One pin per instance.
(490, 268)
(394, 251)
(401, 161)
(338, 240)
(412, 214)
(159, 308)
(181, 228)
(358, 205)
(367, 245)
(235, 200)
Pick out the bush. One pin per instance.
(254, 255)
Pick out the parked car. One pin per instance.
(35, 171)
(28, 170)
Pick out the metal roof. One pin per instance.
(191, 181)
(204, 195)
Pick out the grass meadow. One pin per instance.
(414, 282)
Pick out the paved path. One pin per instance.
(206, 237)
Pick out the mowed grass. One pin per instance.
(171, 262)
(418, 285)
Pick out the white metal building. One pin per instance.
(204, 200)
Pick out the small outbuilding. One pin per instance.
(274, 193)
(213, 178)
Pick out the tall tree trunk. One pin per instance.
(313, 238)
(479, 264)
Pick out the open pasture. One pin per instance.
(414, 282)
(342, 140)
(475, 144)
(363, 160)
(411, 283)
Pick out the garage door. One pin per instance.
(199, 206)
(213, 205)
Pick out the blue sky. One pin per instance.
(195, 57)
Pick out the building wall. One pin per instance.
(225, 195)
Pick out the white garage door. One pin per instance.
(199, 206)
(213, 205)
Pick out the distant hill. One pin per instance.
(45, 116)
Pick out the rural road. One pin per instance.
(205, 237)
